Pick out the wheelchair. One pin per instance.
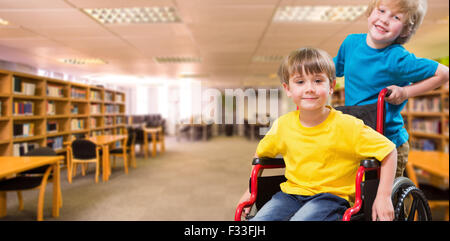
(410, 203)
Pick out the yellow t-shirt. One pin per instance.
(323, 158)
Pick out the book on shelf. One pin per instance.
(108, 96)
(55, 91)
(423, 145)
(23, 130)
(77, 124)
(93, 122)
(55, 142)
(23, 88)
(95, 109)
(23, 108)
(95, 95)
(108, 121)
(78, 93)
(51, 107)
(428, 104)
(20, 149)
(74, 109)
(431, 126)
(119, 98)
(1, 104)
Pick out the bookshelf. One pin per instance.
(40, 111)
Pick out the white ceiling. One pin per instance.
(225, 34)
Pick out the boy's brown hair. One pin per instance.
(310, 60)
(414, 11)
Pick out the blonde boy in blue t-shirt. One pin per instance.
(321, 147)
(376, 60)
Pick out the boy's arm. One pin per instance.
(246, 197)
(382, 208)
(400, 94)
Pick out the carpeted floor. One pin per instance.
(193, 181)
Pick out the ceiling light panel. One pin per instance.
(318, 13)
(134, 15)
(176, 60)
(82, 61)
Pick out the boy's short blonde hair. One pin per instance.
(310, 60)
(414, 11)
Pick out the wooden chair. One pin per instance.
(31, 179)
(436, 196)
(84, 152)
(127, 152)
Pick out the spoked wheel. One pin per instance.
(410, 204)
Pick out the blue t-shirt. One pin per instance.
(367, 71)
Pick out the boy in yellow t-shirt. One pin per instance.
(322, 148)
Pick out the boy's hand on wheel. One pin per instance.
(397, 96)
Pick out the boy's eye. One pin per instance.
(381, 10)
(397, 18)
(318, 80)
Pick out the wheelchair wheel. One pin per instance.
(409, 202)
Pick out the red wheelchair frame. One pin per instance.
(366, 166)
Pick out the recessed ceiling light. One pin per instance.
(318, 13)
(82, 61)
(267, 59)
(175, 60)
(134, 15)
(3, 22)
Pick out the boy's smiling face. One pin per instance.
(385, 26)
(309, 91)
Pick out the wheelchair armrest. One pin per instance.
(370, 163)
(267, 161)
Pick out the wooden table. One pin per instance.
(104, 141)
(431, 161)
(10, 165)
(153, 131)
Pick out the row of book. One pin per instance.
(50, 107)
(22, 87)
(423, 144)
(19, 149)
(23, 130)
(95, 109)
(77, 124)
(431, 126)
(55, 142)
(111, 109)
(78, 93)
(426, 104)
(108, 96)
(23, 108)
(95, 95)
(109, 121)
(55, 91)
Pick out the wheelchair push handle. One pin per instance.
(388, 92)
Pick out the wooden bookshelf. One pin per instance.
(41, 111)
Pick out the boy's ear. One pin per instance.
(333, 85)
(286, 89)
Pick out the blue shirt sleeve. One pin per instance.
(339, 60)
(407, 68)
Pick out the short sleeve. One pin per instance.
(369, 143)
(408, 68)
(269, 146)
(339, 60)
